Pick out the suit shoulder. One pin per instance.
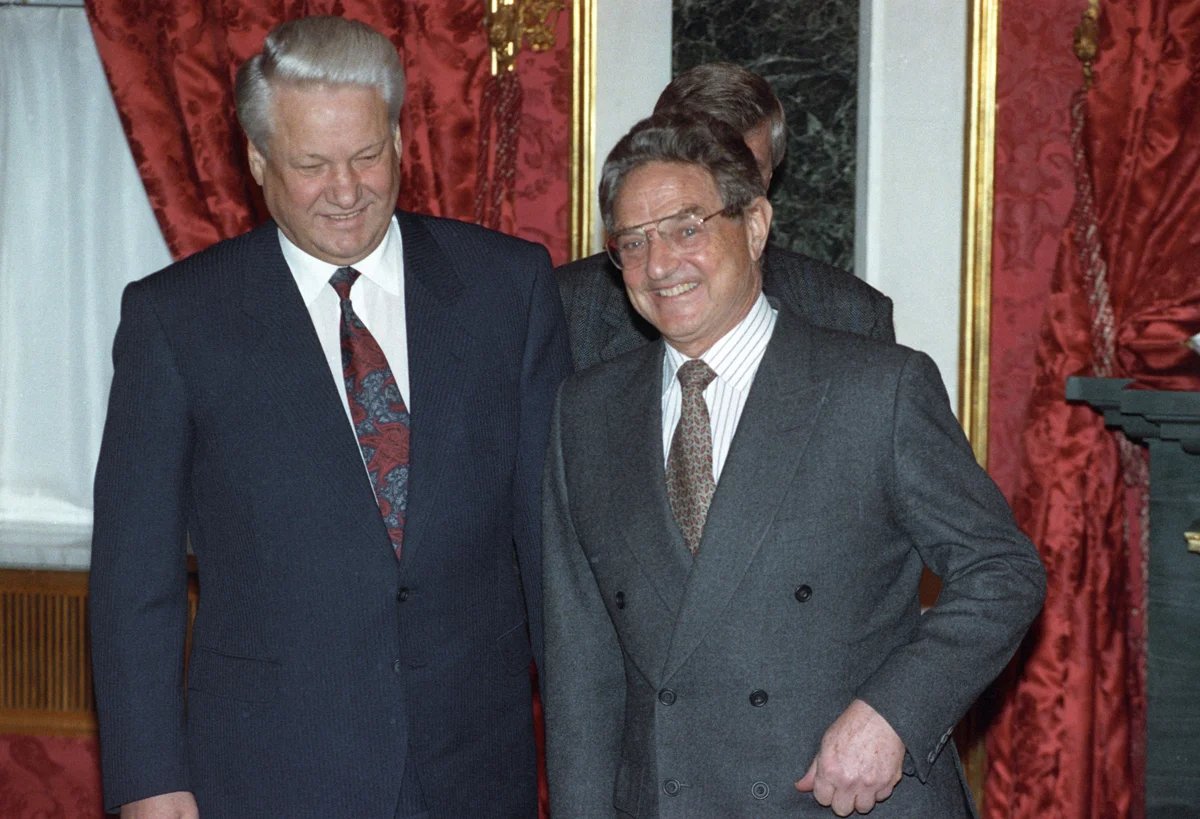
(454, 235)
(845, 351)
(583, 269)
(213, 272)
(587, 277)
(607, 377)
(788, 264)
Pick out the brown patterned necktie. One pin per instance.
(690, 483)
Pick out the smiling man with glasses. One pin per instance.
(601, 321)
(735, 522)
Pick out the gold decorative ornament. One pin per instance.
(1087, 40)
(513, 23)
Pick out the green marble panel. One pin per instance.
(808, 51)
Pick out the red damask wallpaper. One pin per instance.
(49, 778)
(1037, 72)
(541, 188)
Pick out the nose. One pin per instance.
(661, 260)
(344, 187)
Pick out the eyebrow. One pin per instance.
(688, 209)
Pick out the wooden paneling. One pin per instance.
(45, 672)
(45, 679)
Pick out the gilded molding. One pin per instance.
(975, 335)
(511, 23)
(583, 119)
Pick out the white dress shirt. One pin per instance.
(735, 359)
(378, 299)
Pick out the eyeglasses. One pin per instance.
(684, 232)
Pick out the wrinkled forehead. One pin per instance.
(656, 189)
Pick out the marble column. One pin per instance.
(808, 51)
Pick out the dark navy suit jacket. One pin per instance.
(320, 666)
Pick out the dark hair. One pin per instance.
(672, 136)
(732, 94)
(314, 51)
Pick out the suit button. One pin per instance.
(620, 596)
(760, 790)
(402, 595)
(803, 593)
(758, 698)
(671, 787)
(666, 696)
(397, 666)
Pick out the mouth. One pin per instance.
(678, 290)
(345, 217)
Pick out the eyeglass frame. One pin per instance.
(615, 256)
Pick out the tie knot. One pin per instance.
(342, 280)
(695, 374)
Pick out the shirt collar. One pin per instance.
(384, 266)
(729, 358)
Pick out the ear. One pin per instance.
(757, 217)
(258, 163)
(397, 143)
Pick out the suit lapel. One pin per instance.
(639, 501)
(781, 411)
(439, 351)
(285, 358)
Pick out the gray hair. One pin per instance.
(316, 51)
(673, 136)
(732, 94)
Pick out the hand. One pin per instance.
(175, 805)
(859, 763)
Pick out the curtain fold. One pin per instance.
(1069, 740)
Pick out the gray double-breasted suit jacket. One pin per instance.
(702, 688)
(604, 325)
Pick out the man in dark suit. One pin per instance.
(736, 522)
(345, 412)
(602, 322)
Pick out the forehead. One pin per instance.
(657, 189)
(316, 110)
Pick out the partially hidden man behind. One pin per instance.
(735, 526)
(603, 324)
(345, 411)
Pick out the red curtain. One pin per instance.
(1069, 739)
(171, 65)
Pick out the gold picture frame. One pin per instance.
(975, 318)
(583, 130)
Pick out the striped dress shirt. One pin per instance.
(735, 359)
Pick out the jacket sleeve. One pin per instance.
(545, 362)
(992, 579)
(138, 586)
(584, 682)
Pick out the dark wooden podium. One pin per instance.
(1168, 423)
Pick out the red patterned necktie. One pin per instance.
(690, 483)
(377, 409)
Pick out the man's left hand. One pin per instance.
(859, 763)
